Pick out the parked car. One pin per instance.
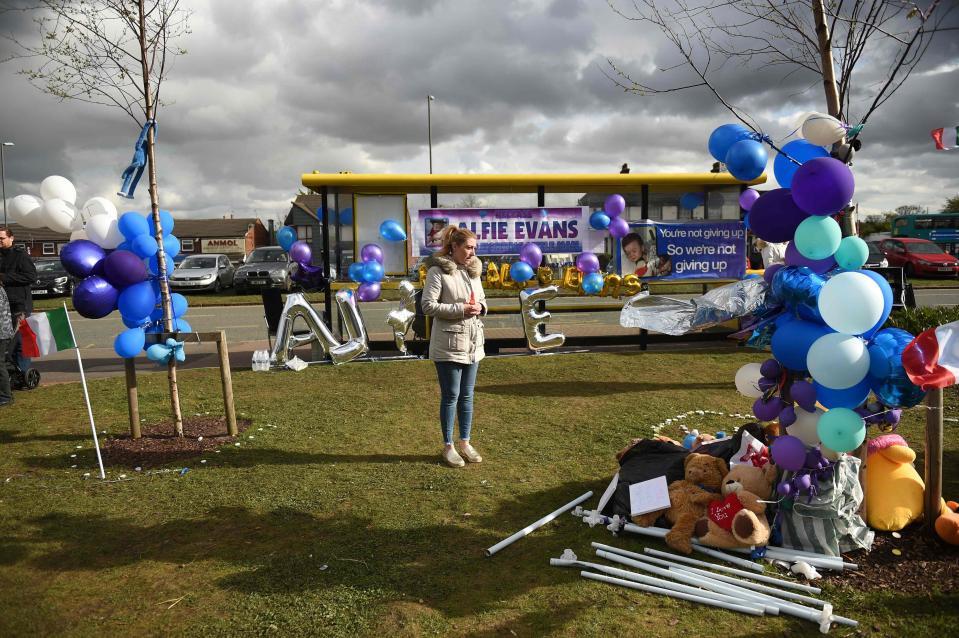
(265, 267)
(53, 280)
(203, 272)
(876, 258)
(919, 257)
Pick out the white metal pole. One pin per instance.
(752, 611)
(86, 393)
(732, 570)
(533, 526)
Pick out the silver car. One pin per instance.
(203, 272)
(265, 267)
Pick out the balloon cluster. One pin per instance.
(530, 257)
(303, 272)
(805, 467)
(831, 327)
(588, 266)
(740, 149)
(126, 279)
(56, 209)
(613, 207)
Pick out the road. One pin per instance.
(246, 331)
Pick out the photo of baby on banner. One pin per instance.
(684, 250)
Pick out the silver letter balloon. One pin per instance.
(533, 319)
(401, 318)
(357, 343)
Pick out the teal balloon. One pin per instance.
(818, 237)
(157, 352)
(841, 430)
(285, 237)
(520, 272)
(852, 253)
(592, 283)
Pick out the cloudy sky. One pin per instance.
(276, 88)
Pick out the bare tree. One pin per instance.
(115, 53)
(824, 43)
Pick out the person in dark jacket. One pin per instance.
(18, 274)
(6, 336)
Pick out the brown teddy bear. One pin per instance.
(688, 499)
(739, 519)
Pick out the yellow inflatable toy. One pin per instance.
(893, 487)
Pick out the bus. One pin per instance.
(941, 228)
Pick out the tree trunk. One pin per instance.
(825, 57)
(158, 234)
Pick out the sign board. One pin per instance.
(503, 231)
(691, 250)
(225, 245)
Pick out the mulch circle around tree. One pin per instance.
(924, 564)
(158, 445)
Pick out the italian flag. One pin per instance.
(46, 333)
(946, 138)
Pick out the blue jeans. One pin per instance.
(456, 396)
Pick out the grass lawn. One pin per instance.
(334, 517)
(918, 282)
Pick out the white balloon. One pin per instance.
(23, 205)
(838, 361)
(103, 231)
(851, 303)
(747, 380)
(805, 427)
(822, 129)
(78, 234)
(58, 215)
(98, 206)
(56, 187)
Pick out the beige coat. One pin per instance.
(447, 288)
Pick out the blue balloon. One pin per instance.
(166, 223)
(124, 245)
(346, 216)
(801, 151)
(798, 288)
(724, 137)
(372, 272)
(520, 271)
(793, 339)
(691, 200)
(130, 322)
(131, 224)
(179, 304)
(95, 298)
(390, 230)
(887, 377)
(746, 160)
(592, 283)
(285, 237)
(851, 397)
(80, 257)
(129, 343)
(153, 264)
(181, 325)
(144, 246)
(886, 302)
(171, 245)
(137, 300)
(157, 352)
(355, 271)
(599, 220)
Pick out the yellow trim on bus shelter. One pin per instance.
(525, 183)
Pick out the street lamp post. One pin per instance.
(3, 182)
(429, 128)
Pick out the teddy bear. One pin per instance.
(688, 499)
(739, 519)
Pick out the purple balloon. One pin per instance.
(614, 205)
(618, 227)
(370, 252)
(766, 384)
(893, 416)
(784, 489)
(368, 291)
(771, 369)
(309, 277)
(803, 481)
(94, 297)
(788, 416)
(300, 252)
(81, 256)
(818, 266)
(770, 272)
(531, 254)
(789, 453)
(803, 393)
(587, 263)
(747, 198)
(823, 186)
(774, 217)
(768, 410)
(123, 269)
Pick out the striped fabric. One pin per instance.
(830, 523)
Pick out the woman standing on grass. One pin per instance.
(453, 295)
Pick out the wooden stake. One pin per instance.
(933, 466)
(226, 377)
(133, 401)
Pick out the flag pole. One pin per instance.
(86, 394)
